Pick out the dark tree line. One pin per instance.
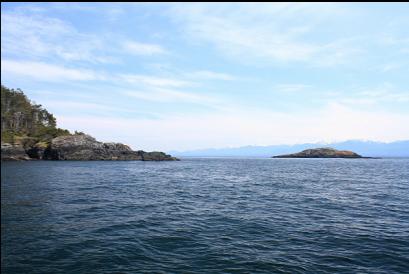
(22, 118)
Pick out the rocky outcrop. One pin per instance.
(37, 150)
(30, 132)
(322, 153)
(79, 147)
(14, 152)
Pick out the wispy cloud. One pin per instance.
(40, 71)
(370, 96)
(139, 48)
(148, 88)
(389, 67)
(385, 93)
(94, 108)
(169, 95)
(154, 81)
(39, 36)
(290, 87)
(269, 31)
(210, 75)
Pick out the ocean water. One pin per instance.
(206, 216)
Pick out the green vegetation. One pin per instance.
(24, 122)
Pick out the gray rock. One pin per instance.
(156, 156)
(322, 153)
(85, 147)
(10, 152)
(80, 147)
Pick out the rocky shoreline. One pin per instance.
(77, 147)
(322, 153)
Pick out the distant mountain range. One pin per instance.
(364, 148)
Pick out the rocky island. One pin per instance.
(321, 153)
(29, 132)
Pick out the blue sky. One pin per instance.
(191, 76)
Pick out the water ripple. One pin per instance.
(206, 216)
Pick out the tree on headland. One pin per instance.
(21, 118)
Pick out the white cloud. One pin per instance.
(75, 105)
(39, 36)
(210, 75)
(389, 67)
(369, 96)
(154, 81)
(290, 87)
(45, 72)
(270, 32)
(168, 95)
(138, 48)
(109, 109)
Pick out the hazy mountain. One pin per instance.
(364, 148)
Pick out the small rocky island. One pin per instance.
(321, 153)
(29, 132)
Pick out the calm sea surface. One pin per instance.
(206, 216)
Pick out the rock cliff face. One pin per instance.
(79, 147)
(13, 152)
(322, 153)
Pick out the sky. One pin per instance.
(164, 76)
